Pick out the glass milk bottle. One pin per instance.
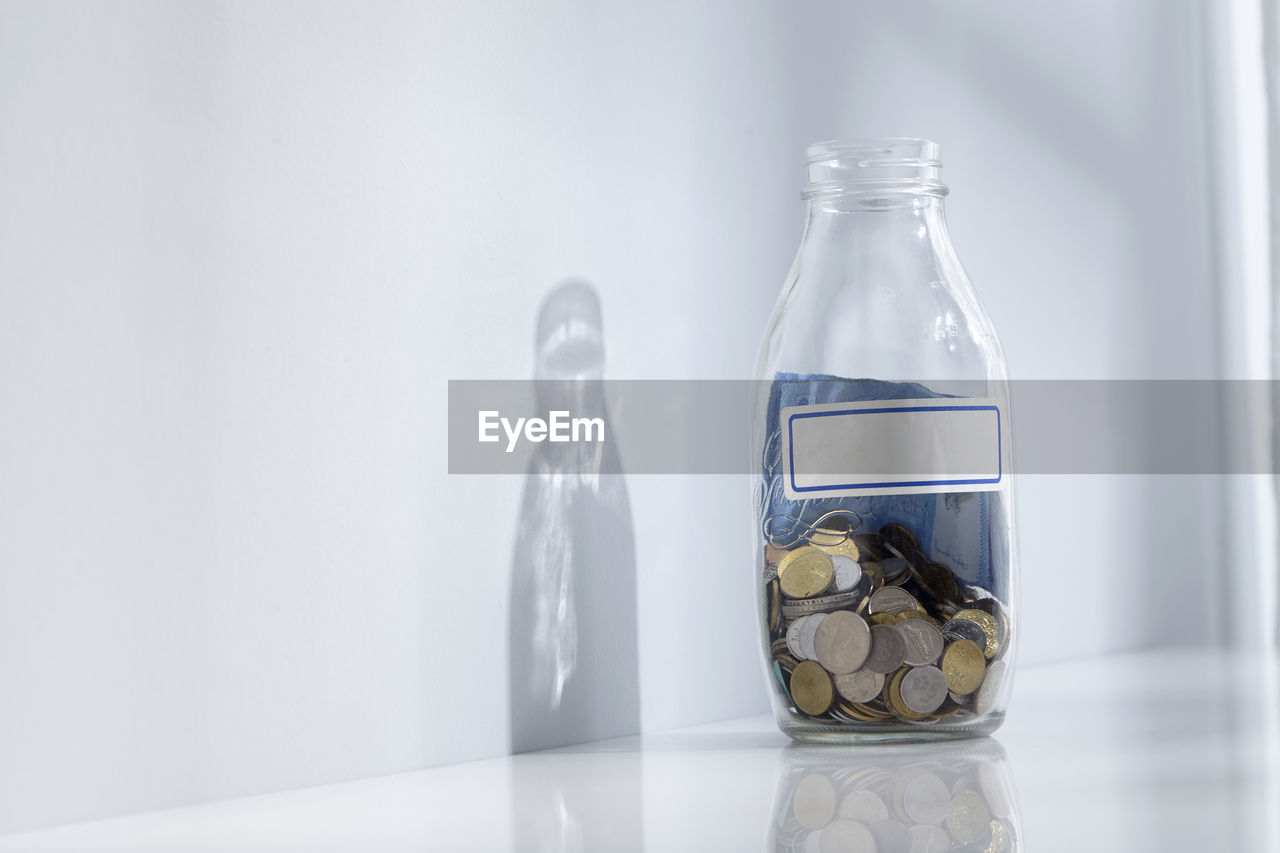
(884, 507)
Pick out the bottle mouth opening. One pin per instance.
(876, 165)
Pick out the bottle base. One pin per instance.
(870, 733)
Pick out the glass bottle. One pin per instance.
(884, 507)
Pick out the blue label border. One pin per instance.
(791, 448)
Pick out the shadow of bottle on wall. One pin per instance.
(574, 659)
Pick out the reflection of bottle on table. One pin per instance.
(896, 798)
(573, 648)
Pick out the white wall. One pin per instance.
(243, 246)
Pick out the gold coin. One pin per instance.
(989, 627)
(811, 688)
(872, 714)
(964, 667)
(883, 618)
(999, 838)
(940, 581)
(775, 606)
(805, 572)
(900, 537)
(876, 573)
(904, 615)
(833, 533)
(970, 818)
(893, 699)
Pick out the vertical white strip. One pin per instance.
(1237, 108)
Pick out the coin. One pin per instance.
(890, 836)
(893, 697)
(805, 572)
(929, 839)
(862, 805)
(860, 686)
(888, 650)
(922, 689)
(814, 801)
(793, 638)
(1001, 838)
(834, 535)
(964, 629)
(847, 572)
(926, 799)
(989, 692)
(900, 537)
(847, 836)
(964, 666)
(992, 606)
(994, 789)
(894, 568)
(775, 606)
(969, 820)
(891, 600)
(823, 604)
(989, 627)
(841, 642)
(773, 554)
(875, 573)
(924, 643)
(919, 614)
(940, 581)
(811, 688)
(808, 632)
(874, 619)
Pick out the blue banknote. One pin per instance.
(954, 528)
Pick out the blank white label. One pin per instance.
(882, 447)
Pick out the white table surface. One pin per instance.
(1169, 751)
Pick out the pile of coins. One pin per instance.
(865, 629)
(934, 807)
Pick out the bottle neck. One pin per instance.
(882, 224)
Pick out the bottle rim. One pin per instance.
(876, 165)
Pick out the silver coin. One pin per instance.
(841, 642)
(929, 839)
(807, 632)
(995, 789)
(926, 799)
(965, 629)
(888, 649)
(891, 599)
(794, 609)
(923, 689)
(893, 567)
(793, 638)
(992, 684)
(814, 801)
(891, 837)
(847, 571)
(846, 836)
(862, 805)
(924, 643)
(861, 686)
(964, 701)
